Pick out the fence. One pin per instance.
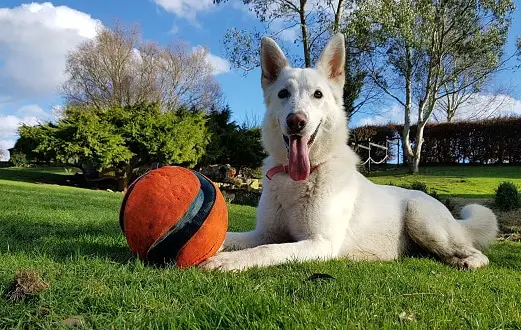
(383, 154)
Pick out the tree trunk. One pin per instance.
(125, 174)
(122, 183)
(351, 90)
(414, 165)
(451, 107)
(304, 28)
(450, 113)
(338, 16)
(425, 109)
(406, 142)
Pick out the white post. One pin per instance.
(369, 162)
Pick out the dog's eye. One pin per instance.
(284, 93)
(318, 94)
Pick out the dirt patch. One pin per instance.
(26, 283)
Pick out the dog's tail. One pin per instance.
(481, 224)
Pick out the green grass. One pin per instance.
(455, 181)
(71, 237)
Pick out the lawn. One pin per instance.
(455, 181)
(71, 238)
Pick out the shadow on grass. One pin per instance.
(61, 242)
(56, 176)
(47, 175)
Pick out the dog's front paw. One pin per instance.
(225, 261)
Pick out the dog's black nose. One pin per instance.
(296, 122)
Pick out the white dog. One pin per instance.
(314, 203)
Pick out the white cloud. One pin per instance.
(4, 145)
(28, 114)
(57, 112)
(34, 41)
(219, 64)
(478, 106)
(392, 115)
(186, 9)
(174, 29)
(482, 106)
(33, 110)
(285, 33)
(9, 124)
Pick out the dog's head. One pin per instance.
(305, 121)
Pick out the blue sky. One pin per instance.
(34, 39)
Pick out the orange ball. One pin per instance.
(174, 215)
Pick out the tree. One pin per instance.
(121, 139)
(247, 148)
(220, 127)
(422, 51)
(26, 145)
(317, 21)
(118, 68)
(232, 144)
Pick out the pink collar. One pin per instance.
(282, 168)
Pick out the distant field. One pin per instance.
(71, 238)
(456, 181)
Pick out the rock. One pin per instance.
(223, 173)
(404, 316)
(255, 184)
(73, 321)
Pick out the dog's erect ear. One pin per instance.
(272, 61)
(333, 58)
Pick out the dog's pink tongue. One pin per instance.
(299, 167)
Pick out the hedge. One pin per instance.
(491, 141)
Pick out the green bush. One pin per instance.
(507, 197)
(449, 204)
(119, 140)
(18, 159)
(421, 186)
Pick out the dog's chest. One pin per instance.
(300, 205)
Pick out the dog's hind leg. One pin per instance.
(434, 228)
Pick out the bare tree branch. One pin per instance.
(118, 68)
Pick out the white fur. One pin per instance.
(337, 212)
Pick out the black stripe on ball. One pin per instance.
(165, 249)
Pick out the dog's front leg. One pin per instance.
(240, 241)
(273, 254)
(265, 232)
